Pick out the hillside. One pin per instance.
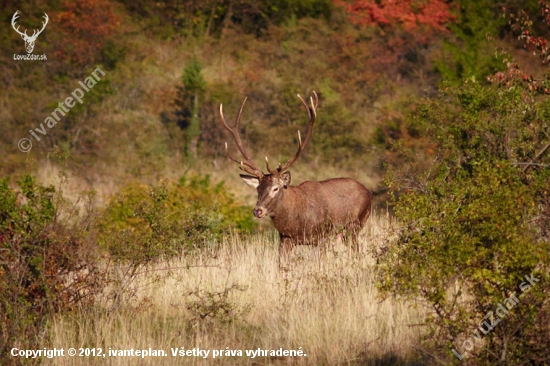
(169, 66)
(124, 224)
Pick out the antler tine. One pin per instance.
(248, 164)
(238, 120)
(14, 20)
(244, 166)
(46, 18)
(312, 115)
(255, 173)
(278, 169)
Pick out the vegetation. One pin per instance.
(46, 265)
(474, 226)
(434, 102)
(476, 223)
(240, 300)
(143, 224)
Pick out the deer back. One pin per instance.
(313, 208)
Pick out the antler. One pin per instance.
(13, 20)
(24, 34)
(311, 115)
(43, 26)
(247, 165)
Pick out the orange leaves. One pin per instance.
(85, 25)
(410, 14)
(403, 30)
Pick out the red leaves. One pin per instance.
(411, 15)
(407, 29)
(521, 22)
(540, 47)
(85, 25)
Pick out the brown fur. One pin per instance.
(306, 213)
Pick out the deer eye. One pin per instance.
(275, 189)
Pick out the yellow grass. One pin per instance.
(325, 303)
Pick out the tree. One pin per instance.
(188, 104)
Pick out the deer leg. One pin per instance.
(350, 235)
(354, 240)
(325, 244)
(285, 247)
(359, 226)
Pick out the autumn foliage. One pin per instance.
(538, 45)
(411, 15)
(404, 28)
(85, 26)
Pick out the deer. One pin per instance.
(310, 211)
(29, 41)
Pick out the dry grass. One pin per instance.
(236, 297)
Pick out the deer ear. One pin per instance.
(253, 182)
(286, 179)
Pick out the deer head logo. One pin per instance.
(29, 41)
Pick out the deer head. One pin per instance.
(270, 186)
(29, 41)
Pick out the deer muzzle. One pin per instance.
(259, 212)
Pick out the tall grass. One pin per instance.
(236, 297)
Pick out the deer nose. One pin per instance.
(258, 212)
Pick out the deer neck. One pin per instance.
(288, 209)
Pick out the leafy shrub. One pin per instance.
(462, 54)
(45, 266)
(143, 224)
(199, 189)
(475, 223)
(431, 14)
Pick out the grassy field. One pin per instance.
(237, 298)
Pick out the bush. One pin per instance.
(475, 223)
(477, 22)
(45, 266)
(144, 224)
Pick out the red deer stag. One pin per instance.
(305, 213)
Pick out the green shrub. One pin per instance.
(199, 189)
(45, 266)
(143, 224)
(475, 223)
(465, 47)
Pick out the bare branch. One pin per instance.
(536, 157)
